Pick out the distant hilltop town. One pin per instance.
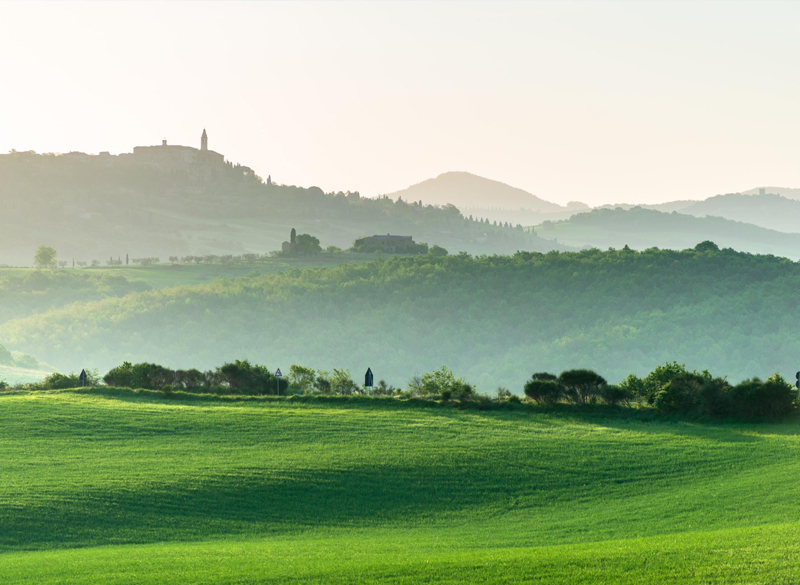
(199, 165)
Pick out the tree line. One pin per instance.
(669, 389)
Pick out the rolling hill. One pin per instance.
(641, 228)
(114, 487)
(774, 212)
(492, 319)
(465, 191)
(96, 207)
(788, 192)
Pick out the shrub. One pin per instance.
(636, 389)
(144, 375)
(582, 386)
(544, 391)
(681, 394)
(243, 377)
(658, 378)
(57, 381)
(503, 394)
(754, 399)
(614, 395)
(3, 385)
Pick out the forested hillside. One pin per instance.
(28, 293)
(493, 320)
(88, 208)
(642, 228)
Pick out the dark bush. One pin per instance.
(754, 399)
(544, 391)
(582, 386)
(614, 395)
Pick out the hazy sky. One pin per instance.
(595, 101)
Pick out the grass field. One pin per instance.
(135, 488)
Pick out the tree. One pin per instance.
(544, 391)
(46, 257)
(342, 382)
(293, 236)
(754, 399)
(307, 244)
(301, 377)
(582, 386)
(437, 251)
(707, 246)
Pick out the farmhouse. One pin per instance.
(387, 243)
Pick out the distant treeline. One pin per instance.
(493, 318)
(668, 389)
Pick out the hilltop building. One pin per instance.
(388, 243)
(181, 163)
(187, 158)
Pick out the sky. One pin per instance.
(600, 102)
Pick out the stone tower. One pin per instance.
(204, 140)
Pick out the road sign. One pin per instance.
(368, 378)
(278, 381)
(278, 373)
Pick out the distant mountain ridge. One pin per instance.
(641, 228)
(788, 192)
(770, 211)
(465, 190)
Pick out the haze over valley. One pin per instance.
(399, 292)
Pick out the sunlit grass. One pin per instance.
(133, 489)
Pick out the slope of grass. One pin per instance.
(104, 488)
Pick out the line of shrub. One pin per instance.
(668, 389)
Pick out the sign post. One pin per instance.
(278, 380)
(369, 381)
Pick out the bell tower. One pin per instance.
(204, 140)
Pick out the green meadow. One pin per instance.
(116, 486)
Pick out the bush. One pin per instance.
(754, 399)
(58, 381)
(144, 375)
(544, 391)
(242, 377)
(3, 385)
(581, 386)
(681, 395)
(614, 395)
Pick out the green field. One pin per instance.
(124, 487)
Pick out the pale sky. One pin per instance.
(592, 101)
